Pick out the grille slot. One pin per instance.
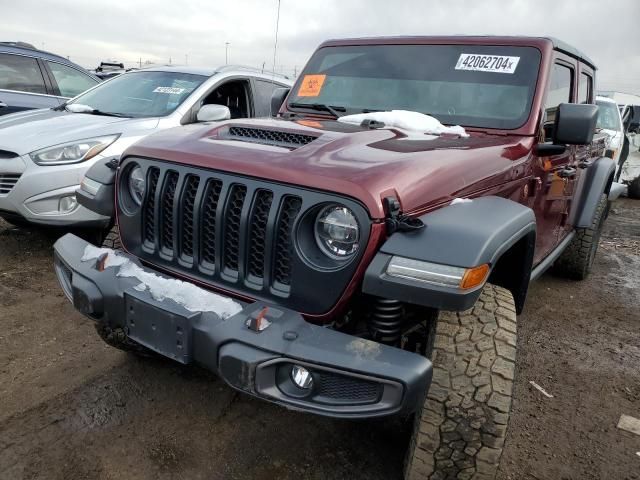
(188, 204)
(208, 212)
(258, 233)
(148, 213)
(7, 182)
(284, 246)
(232, 227)
(269, 137)
(166, 207)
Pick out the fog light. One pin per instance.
(301, 377)
(67, 204)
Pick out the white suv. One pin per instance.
(44, 154)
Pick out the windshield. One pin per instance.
(475, 86)
(142, 94)
(608, 116)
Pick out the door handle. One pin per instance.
(3, 105)
(567, 172)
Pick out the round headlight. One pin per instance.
(137, 184)
(337, 232)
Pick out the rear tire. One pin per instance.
(576, 261)
(460, 430)
(633, 190)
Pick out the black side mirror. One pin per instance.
(575, 124)
(277, 99)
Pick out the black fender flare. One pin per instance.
(594, 181)
(101, 201)
(461, 235)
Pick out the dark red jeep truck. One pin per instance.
(363, 269)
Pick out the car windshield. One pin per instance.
(608, 116)
(141, 94)
(469, 85)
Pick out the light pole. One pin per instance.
(226, 53)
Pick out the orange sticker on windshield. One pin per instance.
(311, 85)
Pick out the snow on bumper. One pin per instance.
(352, 377)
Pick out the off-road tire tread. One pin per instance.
(633, 189)
(116, 337)
(112, 240)
(460, 432)
(576, 261)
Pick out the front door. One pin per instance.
(555, 176)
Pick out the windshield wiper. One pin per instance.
(108, 114)
(81, 108)
(333, 110)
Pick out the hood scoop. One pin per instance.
(277, 138)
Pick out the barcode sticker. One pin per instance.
(171, 90)
(487, 63)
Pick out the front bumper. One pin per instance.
(352, 377)
(40, 194)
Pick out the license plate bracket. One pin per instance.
(165, 332)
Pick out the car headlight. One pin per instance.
(137, 184)
(72, 152)
(337, 232)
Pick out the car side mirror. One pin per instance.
(213, 113)
(575, 124)
(277, 99)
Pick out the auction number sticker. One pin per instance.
(171, 90)
(487, 63)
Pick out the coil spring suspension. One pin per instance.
(386, 320)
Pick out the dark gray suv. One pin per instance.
(31, 78)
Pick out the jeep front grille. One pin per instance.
(237, 233)
(7, 182)
(229, 209)
(268, 137)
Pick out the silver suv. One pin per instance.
(44, 154)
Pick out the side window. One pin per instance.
(235, 95)
(264, 90)
(21, 74)
(585, 89)
(560, 91)
(71, 82)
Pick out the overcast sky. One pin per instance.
(159, 30)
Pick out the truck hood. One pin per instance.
(25, 132)
(419, 170)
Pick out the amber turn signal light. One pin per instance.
(474, 276)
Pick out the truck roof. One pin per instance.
(462, 39)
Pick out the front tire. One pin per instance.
(460, 430)
(117, 337)
(633, 190)
(112, 239)
(576, 261)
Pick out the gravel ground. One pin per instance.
(72, 408)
